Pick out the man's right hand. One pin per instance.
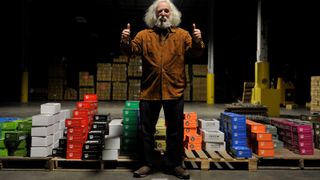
(125, 35)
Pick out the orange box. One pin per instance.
(261, 136)
(189, 124)
(190, 116)
(194, 146)
(264, 144)
(189, 131)
(265, 152)
(255, 127)
(194, 138)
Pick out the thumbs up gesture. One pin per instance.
(125, 35)
(196, 34)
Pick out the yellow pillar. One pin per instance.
(210, 88)
(24, 87)
(280, 87)
(262, 75)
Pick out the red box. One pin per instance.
(87, 105)
(78, 130)
(74, 146)
(71, 154)
(78, 138)
(82, 113)
(77, 122)
(90, 97)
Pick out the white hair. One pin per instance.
(150, 17)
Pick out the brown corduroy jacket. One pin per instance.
(163, 64)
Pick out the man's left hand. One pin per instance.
(196, 34)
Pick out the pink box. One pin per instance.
(302, 136)
(304, 151)
(302, 128)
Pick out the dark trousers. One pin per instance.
(149, 115)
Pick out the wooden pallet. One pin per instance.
(123, 162)
(247, 92)
(205, 160)
(286, 159)
(17, 162)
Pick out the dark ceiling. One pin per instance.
(84, 32)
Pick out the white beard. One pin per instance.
(163, 22)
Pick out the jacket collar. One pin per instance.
(170, 29)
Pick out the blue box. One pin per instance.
(241, 152)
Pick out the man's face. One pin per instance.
(163, 11)
(163, 15)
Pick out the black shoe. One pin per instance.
(142, 172)
(179, 172)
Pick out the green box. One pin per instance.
(25, 126)
(20, 152)
(129, 134)
(129, 128)
(130, 120)
(129, 141)
(130, 112)
(16, 135)
(3, 152)
(132, 104)
(9, 126)
(2, 144)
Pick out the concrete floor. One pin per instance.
(203, 110)
(115, 109)
(195, 174)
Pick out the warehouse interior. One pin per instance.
(81, 33)
(69, 40)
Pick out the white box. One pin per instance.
(214, 146)
(112, 142)
(44, 119)
(65, 114)
(50, 108)
(55, 145)
(56, 137)
(40, 151)
(215, 136)
(110, 154)
(115, 128)
(42, 141)
(209, 125)
(62, 124)
(56, 127)
(42, 130)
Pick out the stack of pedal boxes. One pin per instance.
(192, 140)
(160, 135)
(79, 126)
(47, 129)
(213, 138)
(259, 140)
(131, 121)
(14, 136)
(112, 140)
(95, 143)
(297, 135)
(234, 127)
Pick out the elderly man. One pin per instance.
(162, 47)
